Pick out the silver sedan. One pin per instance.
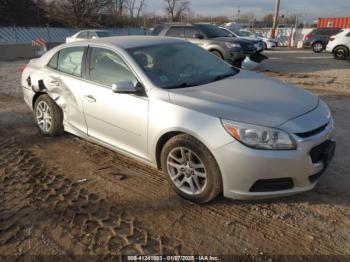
(210, 127)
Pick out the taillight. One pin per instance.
(331, 39)
(21, 68)
(308, 37)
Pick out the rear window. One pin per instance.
(157, 30)
(70, 60)
(83, 35)
(53, 62)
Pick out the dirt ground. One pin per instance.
(66, 197)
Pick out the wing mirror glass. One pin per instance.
(124, 87)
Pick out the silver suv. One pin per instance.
(211, 38)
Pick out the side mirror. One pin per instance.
(125, 87)
(198, 36)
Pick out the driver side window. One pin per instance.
(107, 68)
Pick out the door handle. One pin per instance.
(90, 98)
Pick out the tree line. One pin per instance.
(108, 13)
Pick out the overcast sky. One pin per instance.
(311, 9)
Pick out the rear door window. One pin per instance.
(70, 60)
(191, 32)
(157, 30)
(176, 31)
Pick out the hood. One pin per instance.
(248, 98)
(234, 40)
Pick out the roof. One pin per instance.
(126, 42)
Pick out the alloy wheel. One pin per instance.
(43, 116)
(318, 47)
(187, 171)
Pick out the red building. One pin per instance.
(336, 22)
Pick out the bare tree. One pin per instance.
(78, 13)
(175, 9)
(268, 19)
(135, 8)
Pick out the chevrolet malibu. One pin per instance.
(213, 129)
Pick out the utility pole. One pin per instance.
(238, 14)
(275, 20)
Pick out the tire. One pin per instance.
(317, 47)
(341, 53)
(216, 53)
(44, 108)
(201, 162)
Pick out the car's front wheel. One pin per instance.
(191, 169)
(341, 53)
(48, 116)
(317, 47)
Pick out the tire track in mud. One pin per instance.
(251, 228)
(75, 220)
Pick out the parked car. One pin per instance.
(87, 34)
(209, 126)
(269, 43)
(339, 45)
(211, 38)
(232, 32)
(318, 38)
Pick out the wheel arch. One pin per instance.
(337, 46)
(42, 91)
(216, 50)
(36, 96)
(166, 136)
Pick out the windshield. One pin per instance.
(102, 34)
(180, 65)
(237, 32)
(211, 31)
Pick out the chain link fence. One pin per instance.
(25, 35)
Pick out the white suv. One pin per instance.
(339, 45)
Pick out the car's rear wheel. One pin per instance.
(341, 53)
(317, 47)
(191, 169)
(48, 116)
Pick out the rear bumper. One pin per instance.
(245, 171)
(28, 95)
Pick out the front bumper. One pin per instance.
(244, 170)
(271, 44)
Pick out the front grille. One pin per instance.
(270, 185)
(315, 177)
(312, 132)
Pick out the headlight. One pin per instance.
(233, 45)
(259, 137)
